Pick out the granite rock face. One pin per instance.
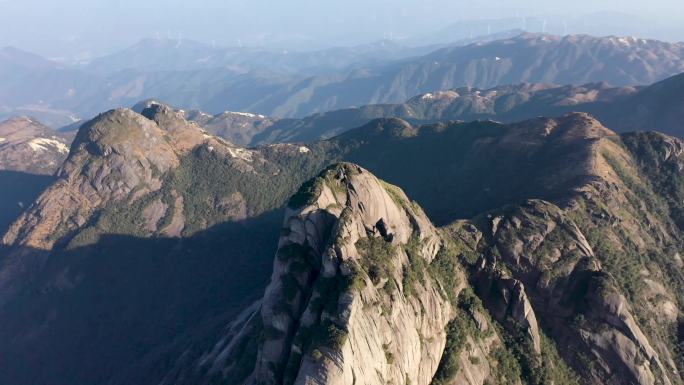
(548, 270)
(371, 334)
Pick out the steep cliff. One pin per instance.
(364, 290)
(337, 303)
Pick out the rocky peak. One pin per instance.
(165, 116)
(183, 135)
(336, 309)
(119, 154)
(122, 141)
(114, 155)
(145, 104)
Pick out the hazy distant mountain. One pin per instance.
(526, 58)
(58, 93)
(157, 55)
(28, 79)
(64, 91)
(628, 108)
(30, 84)
(187, 55)
(14, 59)
(596, 24)
(503, 103)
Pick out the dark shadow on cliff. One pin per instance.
(125, 309)
(18, 190)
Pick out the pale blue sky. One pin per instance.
(51, 27)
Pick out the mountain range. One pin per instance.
(282, 84)
(597, 24)
(628, 108)
(150, 258)
(503, 210)
(186, 55)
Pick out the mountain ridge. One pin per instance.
(624, 109)
(578, 59)
(532, 228)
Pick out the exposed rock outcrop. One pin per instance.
(559, 278)
(336, 311)
(112, 156)
(507, 301)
